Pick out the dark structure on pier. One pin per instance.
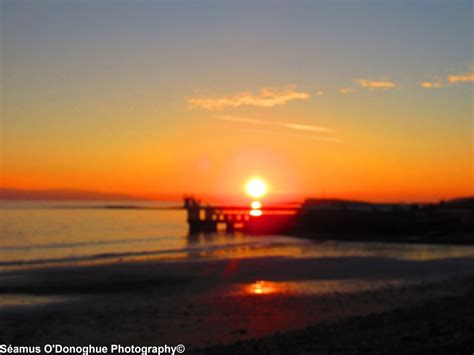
(210, 219)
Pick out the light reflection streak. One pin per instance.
(256, 213)
(261, 288)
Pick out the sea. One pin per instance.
(48, 233)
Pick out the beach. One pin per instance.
(136, 277)
(204, 303)
(442, 325)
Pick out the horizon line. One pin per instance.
(73, 194)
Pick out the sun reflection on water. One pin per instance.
(255, 213)
(316, 287)
(262, 288)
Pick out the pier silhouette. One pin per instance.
(209, 219)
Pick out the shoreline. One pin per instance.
(219, 252)
(442, 239)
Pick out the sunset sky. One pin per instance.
(366, 100)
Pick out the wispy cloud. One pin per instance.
(347, 91)
(431, 84)
(461, 78)
(290, 125)
(452, 79)
(376, 84)
(267, 97)
(324, 133)
(304, 127)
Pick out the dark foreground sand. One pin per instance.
(438, 326)
(323, 305)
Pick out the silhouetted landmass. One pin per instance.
(460, 203)
(63, 195)
(449, 221)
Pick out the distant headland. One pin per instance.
(65, 195)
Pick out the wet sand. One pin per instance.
(442, 325)
(204, 303)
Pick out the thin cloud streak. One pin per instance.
(304, 127)
(267, 97)
(290, 125)
(347, 91)
(431, 84)
(376, 84)
(461, 78)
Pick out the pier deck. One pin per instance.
(208, 219)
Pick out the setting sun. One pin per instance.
(256, 188)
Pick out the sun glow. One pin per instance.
(256, 188)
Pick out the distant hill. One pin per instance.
(63, 194)
(461, 203)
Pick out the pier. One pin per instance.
(210, 219)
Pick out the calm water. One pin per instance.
(39, 233)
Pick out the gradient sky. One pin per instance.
(369, 99)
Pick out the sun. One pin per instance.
(256, 188)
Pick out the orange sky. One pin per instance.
(315, 104)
